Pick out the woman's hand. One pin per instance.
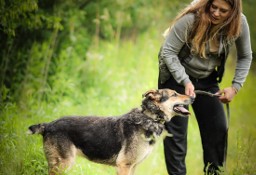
(190, 89)
(227, 94)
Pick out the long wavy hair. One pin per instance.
(203, 30)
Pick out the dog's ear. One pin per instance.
(152, 94)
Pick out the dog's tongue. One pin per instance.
(182, 110)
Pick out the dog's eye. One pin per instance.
(174, 95)
(164, 98)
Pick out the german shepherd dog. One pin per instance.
(122, 141)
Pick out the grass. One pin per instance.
(111, 82)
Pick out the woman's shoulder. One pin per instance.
(245, 32)
(244, 25)
(244, 19)
(185, 21)
(188, 18)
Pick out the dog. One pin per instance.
(122, 141)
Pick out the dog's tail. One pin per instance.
(37, 129)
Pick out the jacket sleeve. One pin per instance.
(244, 55)
(175, 39)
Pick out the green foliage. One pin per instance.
(15, 14)
(25, 15)
(40, 32)
(16, 156)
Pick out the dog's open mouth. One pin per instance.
(180, 109)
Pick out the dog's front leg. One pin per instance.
(132, 170)
(125, 169)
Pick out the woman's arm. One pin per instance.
(244, 55)
(175, 40)
(244, 59)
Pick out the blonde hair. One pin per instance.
(202, 31)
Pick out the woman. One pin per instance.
(192, 58)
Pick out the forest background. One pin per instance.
(97, 57)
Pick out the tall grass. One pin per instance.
(110, 81)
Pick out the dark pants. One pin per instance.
(212, 123)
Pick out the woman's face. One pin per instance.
(219, 11)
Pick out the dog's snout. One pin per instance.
(192, 99)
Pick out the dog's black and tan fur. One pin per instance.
(122, 141)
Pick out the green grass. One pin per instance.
(111, 82)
